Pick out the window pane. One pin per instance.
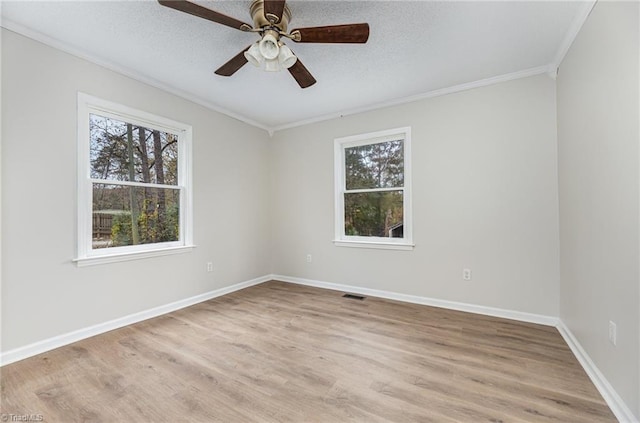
(125, 152)
(375, 165)
(377, 214)
(124, 215)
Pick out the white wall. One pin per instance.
(598, 138)
(43, 293)
(484, 191)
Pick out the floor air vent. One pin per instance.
(354, 297)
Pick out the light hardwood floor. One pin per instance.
(279, 352)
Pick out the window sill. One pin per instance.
(137, 255)
(374, 245)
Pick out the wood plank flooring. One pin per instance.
(279, 352)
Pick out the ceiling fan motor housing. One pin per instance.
(260, 21)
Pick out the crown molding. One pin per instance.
(549, 69)
(85, 55)
(429, 94)
(572, 32)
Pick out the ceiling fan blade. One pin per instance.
(203, 12)
(350, 33)
(273, 8)
(233, 65)
(302, 76)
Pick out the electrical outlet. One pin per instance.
(613, 333)
(466, 274)
(309, 258)
(210, 266)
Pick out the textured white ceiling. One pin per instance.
(415, 47)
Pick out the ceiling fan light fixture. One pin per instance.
(272, 65)
(286, 57)
(253, 55)
(269, 46)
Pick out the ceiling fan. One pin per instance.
(270, 20)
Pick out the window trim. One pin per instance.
(340, 144)
(85, 254)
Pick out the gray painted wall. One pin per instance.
(43, 293)
(598, 138)
(484, 193)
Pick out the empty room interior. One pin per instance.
(320, 211)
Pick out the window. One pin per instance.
(134, 183)
(373, 190)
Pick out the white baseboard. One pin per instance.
(622, 412)
(45, 345)
(613, 400)
(452, 305)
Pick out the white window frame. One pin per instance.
(340, 144)
(86, 255)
